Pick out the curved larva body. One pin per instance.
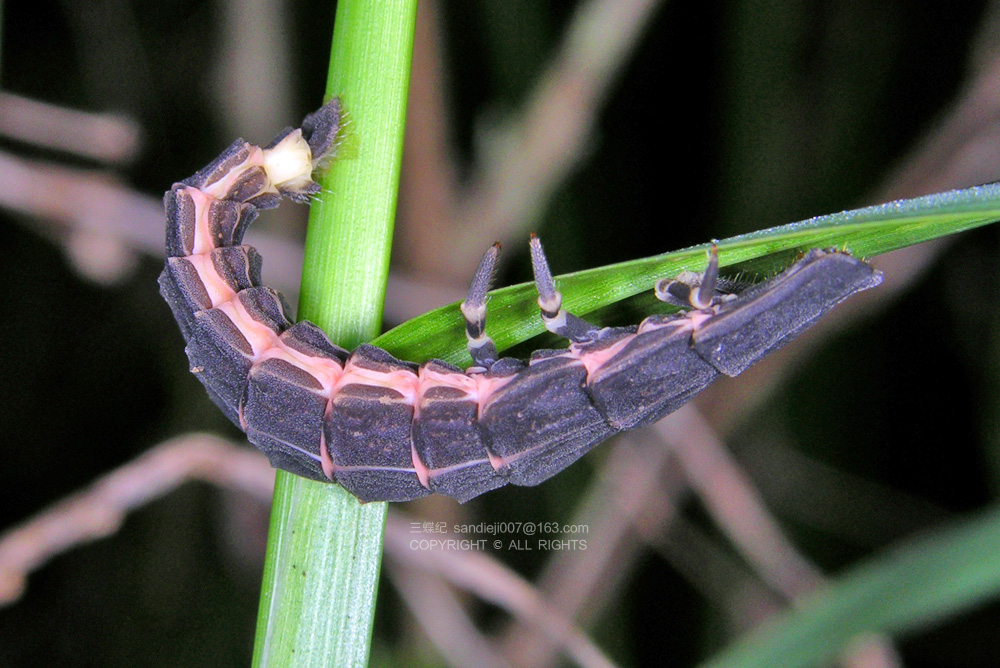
(392, 430)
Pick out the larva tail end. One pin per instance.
(320, 130)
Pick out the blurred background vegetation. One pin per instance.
(645, 128)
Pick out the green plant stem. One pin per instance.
(324, 548)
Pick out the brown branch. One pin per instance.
(711, 569)
(736, 507)
(541, 145)
(108, 138)
(733, 502)
(636, 480)
(99, 510)
(442, 617)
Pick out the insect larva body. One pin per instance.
(391, 430)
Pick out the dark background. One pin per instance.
(729, 117)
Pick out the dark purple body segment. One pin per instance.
(654, 374)
(767, 316)
(288, 407)
(287, 404)
(390, 430)
(448, 414)
(368, 429)
(543, 420)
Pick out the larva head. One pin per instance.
(289, 164)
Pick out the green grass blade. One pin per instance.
(324, 547)
(513, 314)
(925, 581)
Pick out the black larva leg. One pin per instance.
(481, 347)
(692, 290)
(557, 320)
(657, 372)
(765, 317)
(543, 420)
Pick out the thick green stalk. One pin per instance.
(324, 548)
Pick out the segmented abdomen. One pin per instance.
(391, 430)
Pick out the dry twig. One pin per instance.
(99, 510)
(493, 582)
(107, 138)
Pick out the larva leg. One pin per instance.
(447, 438)
(557, 320)
(672, 358)
(481, 347)
(655, 372)
(763, 318)
(691, 290)
(543, 419)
